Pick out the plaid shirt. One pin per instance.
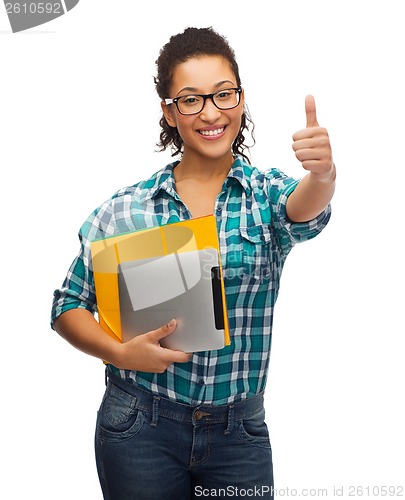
(255, 238)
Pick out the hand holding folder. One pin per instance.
(145, 353)
(146, 278)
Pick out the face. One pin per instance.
(210, 133)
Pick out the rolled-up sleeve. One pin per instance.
(279, 188)
(78, 289)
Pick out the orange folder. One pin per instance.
(152, 275)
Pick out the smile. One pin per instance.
(212, 132)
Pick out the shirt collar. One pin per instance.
(241, 171)
(164, 179)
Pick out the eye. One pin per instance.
(190, 100)
(224, 95)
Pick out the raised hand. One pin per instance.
(312, 146)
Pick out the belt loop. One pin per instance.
(228, 430)
(155, 411)
(106, 375)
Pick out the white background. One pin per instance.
(79, 119)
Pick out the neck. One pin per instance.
(202, 168)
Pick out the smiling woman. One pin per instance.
(200, 416)
(212, 78)
(196, 43)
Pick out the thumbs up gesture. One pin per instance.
(312, 146)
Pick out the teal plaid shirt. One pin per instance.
(255, 238)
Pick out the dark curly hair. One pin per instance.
(191, 43)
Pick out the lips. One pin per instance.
(213, 132)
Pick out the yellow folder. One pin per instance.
(152, 275)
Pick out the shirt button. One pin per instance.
(219, 210)
(201, 381)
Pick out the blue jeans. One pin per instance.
(148, 447)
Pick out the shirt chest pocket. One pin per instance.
(256, 242)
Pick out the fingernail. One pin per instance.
(171, 323)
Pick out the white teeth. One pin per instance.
(212, 132)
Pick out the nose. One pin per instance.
(210, 113)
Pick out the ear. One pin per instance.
(168, 114)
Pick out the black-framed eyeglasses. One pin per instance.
(191, 104)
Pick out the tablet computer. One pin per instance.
(185, 286)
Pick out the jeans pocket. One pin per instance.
(256, 254)
(118, 417)
(253, 430)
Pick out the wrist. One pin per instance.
(115, 353)
(328, 177)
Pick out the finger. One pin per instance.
(310, 111)
(313, 133)
(167, 357)
(176, 356)
(163, 331)
(299, 144)
(309, 154)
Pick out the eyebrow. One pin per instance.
(195, 90)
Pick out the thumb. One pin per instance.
(310, 111)
(163, 331)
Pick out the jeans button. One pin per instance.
(198, 415)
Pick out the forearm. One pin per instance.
(80, 328)
(143, 352)
(311, 196)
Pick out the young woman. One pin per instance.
(176, 425)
